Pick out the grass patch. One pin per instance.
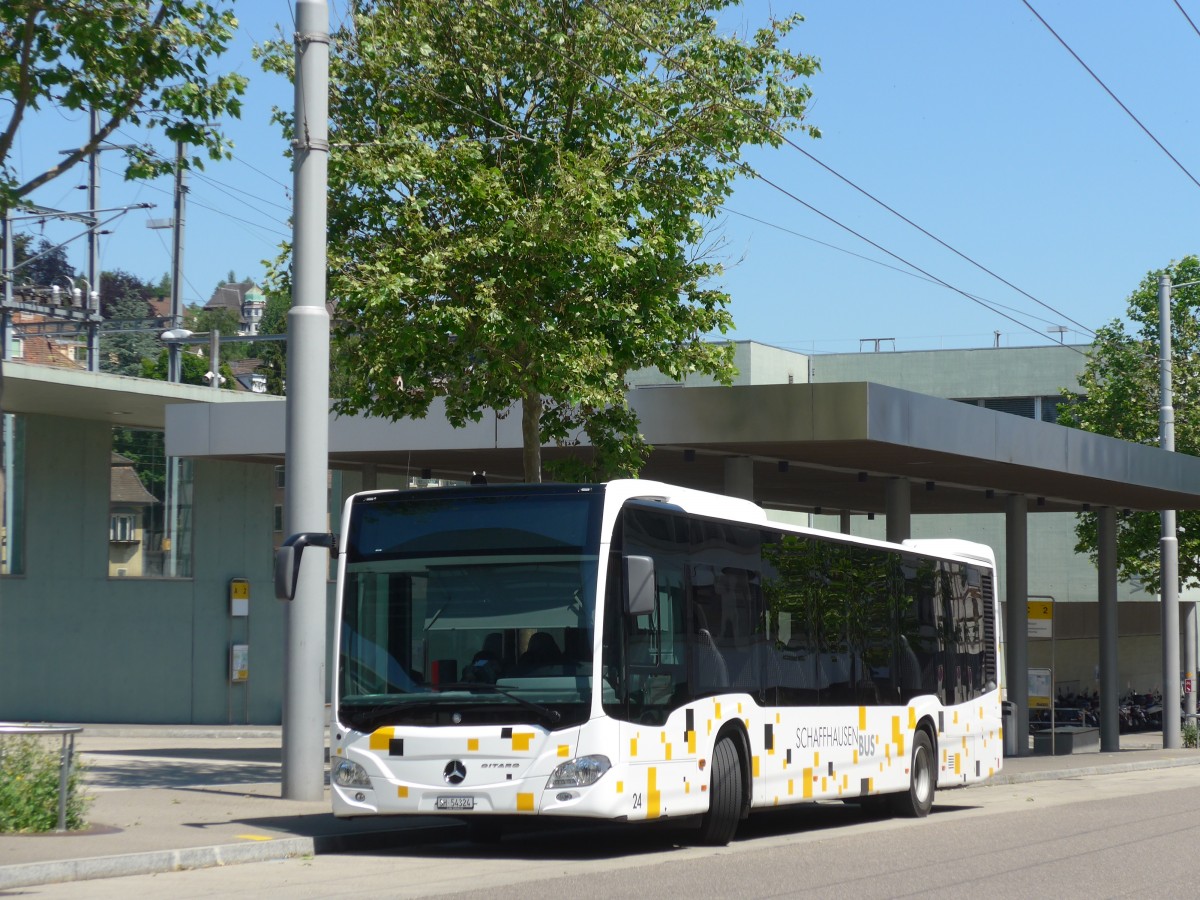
(29, 773)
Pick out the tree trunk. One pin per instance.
(531, 441)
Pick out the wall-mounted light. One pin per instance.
(929, 485)
(1041, 501)
(689, 455)
(427, 473)
(862, 476)
(989, 494)
(870, 517)
(783, 465)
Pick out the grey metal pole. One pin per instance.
(6, 271)
(214, 358)
(1189, 660)
(1016, 565)
(1169, 544)
(1106, 570)
(174, 362)
(93, 328)
(308, 411)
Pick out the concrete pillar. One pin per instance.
(898, 509)
(1016, 630)
(844, 522)
(1106, 571)
(739, 477)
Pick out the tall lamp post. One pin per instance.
(1169, 549)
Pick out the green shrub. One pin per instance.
(1191, 735)
(29, 773)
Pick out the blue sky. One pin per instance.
(969, 118)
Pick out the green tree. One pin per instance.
(522, 198)
(1120, 397)
(193, 364)
(130, 332)
(274, 353)
(139, 64)
(224, 320)
(43, 264)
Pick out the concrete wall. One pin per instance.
(755, 364)
(76, 645)
(1004, 372)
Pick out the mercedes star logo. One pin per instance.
(455, 772)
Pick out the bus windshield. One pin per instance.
(469, 607)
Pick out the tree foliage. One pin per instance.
(521, 196)
(194, 365)
(140, 64)
(273, 354)
(1120, 397)
(43, 264)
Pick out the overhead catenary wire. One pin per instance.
(751, 172)
(1186, 16)
(1110, 93)
(905, 272)
(844, 179)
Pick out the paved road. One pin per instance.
(1132, 834)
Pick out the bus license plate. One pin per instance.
(455, 803)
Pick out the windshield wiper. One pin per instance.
(374, 713)
(473, 686)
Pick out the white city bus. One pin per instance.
(637, 651)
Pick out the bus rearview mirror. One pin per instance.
(639, 585)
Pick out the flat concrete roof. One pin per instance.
(840, 442)
(100, 396)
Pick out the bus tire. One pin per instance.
(724, 796)
(916, 802)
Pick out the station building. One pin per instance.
(886, 444)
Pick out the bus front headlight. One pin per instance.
(347, 773)
(579, 772)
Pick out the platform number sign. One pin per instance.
(1040, 615)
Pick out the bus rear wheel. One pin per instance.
(724, 796)
(916, 802)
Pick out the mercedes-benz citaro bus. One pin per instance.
(634, 651)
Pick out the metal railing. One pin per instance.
(66, 757)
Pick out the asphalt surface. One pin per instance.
(165, 798)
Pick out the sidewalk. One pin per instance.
(186, 797)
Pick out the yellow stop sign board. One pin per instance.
(1040, 616)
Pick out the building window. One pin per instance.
(1017, 406)
(279, 476)
(150, 508)
(18, 348)
(12, 494)
(122, 528)
(278, 518)
(1050, 407)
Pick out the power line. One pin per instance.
(193, 202)
(1186, 16)
(876, 262)
(787, 140)
(747, 169)
(232, 192)
(1115, 98)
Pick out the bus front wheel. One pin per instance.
(918, 799)
(724, 796)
